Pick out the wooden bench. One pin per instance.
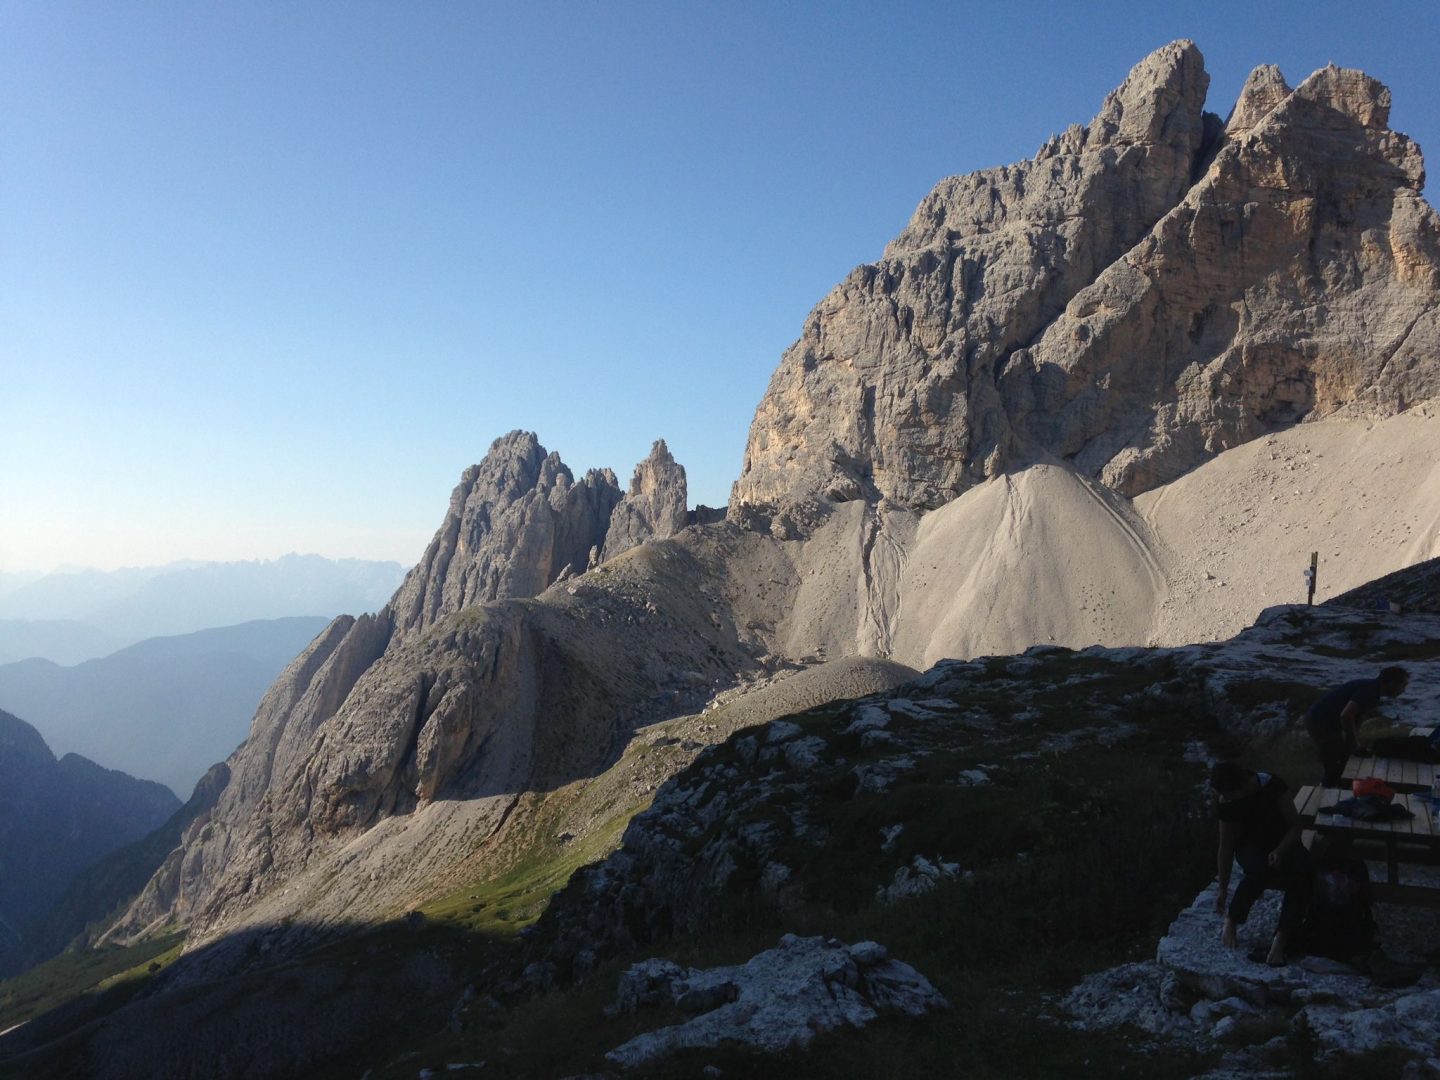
(1399, 774)
(1413, 840)
(1307, 801)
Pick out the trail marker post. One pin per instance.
(1310, 577)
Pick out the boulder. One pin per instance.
(778, 999)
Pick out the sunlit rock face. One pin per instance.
(516, 520)
(1148, 291)
(655, 505)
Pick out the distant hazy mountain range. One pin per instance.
(56, 819)
(166, 708)
(64, 641)
(78, 615)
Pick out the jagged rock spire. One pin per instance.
(1299, 278)
(891, 390)
(1264, 89)
(515, 522)
(655, 505)
(1148, 291)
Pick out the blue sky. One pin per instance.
(273, 274)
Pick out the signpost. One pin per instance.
(1310, 576)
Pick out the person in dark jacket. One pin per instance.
(1259, 829)
(1334, 721)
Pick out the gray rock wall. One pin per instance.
(515, 522)
(655, 506)
(1148, 291)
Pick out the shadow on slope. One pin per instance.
(1415, 588)
(1033, 914)
(357, 994)
(98, 895)
(1058, 790)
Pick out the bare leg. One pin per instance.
(1227, 933)
(1277, 950)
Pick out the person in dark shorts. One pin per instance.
(1260, 830)
(1334, 721)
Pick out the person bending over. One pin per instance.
(1260, 830)
(1334, 721)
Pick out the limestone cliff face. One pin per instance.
(1148, 291)
(449, 690)
(891, 390)
(515, 522)
(1298, 279)
(655, 506)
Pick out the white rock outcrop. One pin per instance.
(1199, 993)
(778, 999)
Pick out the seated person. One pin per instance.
(1260, 830)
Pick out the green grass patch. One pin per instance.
(503, 906)
(73, 974)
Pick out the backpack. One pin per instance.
(1340, 921)
(1408, 748)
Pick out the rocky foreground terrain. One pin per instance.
(1112, 396)
(896, 828)
(877, 802)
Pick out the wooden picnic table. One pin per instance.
(1411, 840)
(1400, 774)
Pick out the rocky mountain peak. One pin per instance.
(1264, 89)
(1155, 119)
(1148, 291)
(655, 506)
(384, 713)
(516, 521)
(21, 746)
(1353, 94)
(514, 465)
(1161, 101)
(59, 818)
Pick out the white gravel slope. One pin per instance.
(1041, 556)
(1235, 535)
